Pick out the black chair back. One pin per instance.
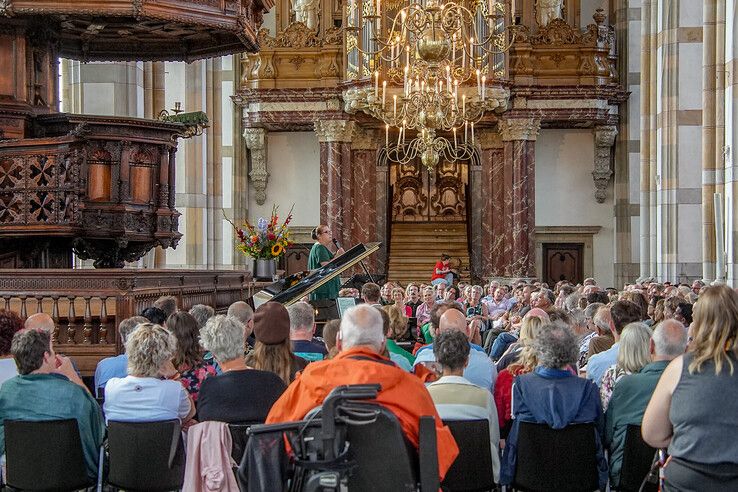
(637, 459)
(45, 456)
(385, 460)
(472, 470)
(240, 438)
(146, 456)
(556, 460)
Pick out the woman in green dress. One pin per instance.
(320, 255)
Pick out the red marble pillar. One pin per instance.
(493, 194)
(335, 176)
(518, 174)
(364, 193)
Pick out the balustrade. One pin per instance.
(88, 305)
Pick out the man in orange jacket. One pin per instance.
(360, 342)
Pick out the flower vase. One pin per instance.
(265, 269)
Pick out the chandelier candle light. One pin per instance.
(441, 62)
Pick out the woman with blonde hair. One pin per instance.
(525, 361)
(694, 408)
(633, 355)
(397, 330)
(143, 395)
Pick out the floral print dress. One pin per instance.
(192, 377)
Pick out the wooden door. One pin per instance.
(563, 262)
(419, 195)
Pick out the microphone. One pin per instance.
(335, 243)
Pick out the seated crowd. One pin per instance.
(654, 355)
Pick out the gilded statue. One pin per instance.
(548, 10)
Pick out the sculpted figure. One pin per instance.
(548, 10)
(306, 11)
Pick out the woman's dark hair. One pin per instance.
(10, 323)
(314, 234)
(444, 256)
(451, 349)
(184, 328)
(155, 315)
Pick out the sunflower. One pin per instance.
(277, 249)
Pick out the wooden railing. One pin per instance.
(88, 305)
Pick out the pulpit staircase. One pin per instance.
(415, 247)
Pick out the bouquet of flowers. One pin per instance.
(266, 239)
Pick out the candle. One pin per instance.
(376, 84)
(384, 92)
(394, 107)
(472, 132)
(512, 11)
(463, 105)
(471, 52)
(404, 122)
(455, 144)
(399, 137)
(466, 130)
(448, 76)
(484, 86)
(456, 92)
(479, 84)
(453, 48)
(386, 135)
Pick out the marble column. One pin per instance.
(335, 176)
(519, 135)
(363, 226)
(495, 202)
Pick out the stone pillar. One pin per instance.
(495, 202)
(672, 195)
(256, 143)
(728, 13)
(519, 135)
(335, 176)
(111, 89)
(363, 225)
(713, 126)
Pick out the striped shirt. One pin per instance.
(458, 399)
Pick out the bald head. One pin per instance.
(669, 340)
(40, 321)
(453, 320)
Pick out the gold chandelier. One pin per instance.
(434, 66)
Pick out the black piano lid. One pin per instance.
(317, 277)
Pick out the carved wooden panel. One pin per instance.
(39, 188)
(422, 196)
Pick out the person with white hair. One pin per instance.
(239, 394)
(633, 392)
(360, 342)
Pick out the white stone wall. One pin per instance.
(565, 193)
(293, 162)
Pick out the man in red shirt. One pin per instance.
(360, 342)
(442, 271)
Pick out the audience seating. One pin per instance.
(146, 456)
(472, 469)
(240, 438)
(45, 456)
(637, 460)
(556, 460)
(362, 442)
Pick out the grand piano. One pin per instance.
(293, 288)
